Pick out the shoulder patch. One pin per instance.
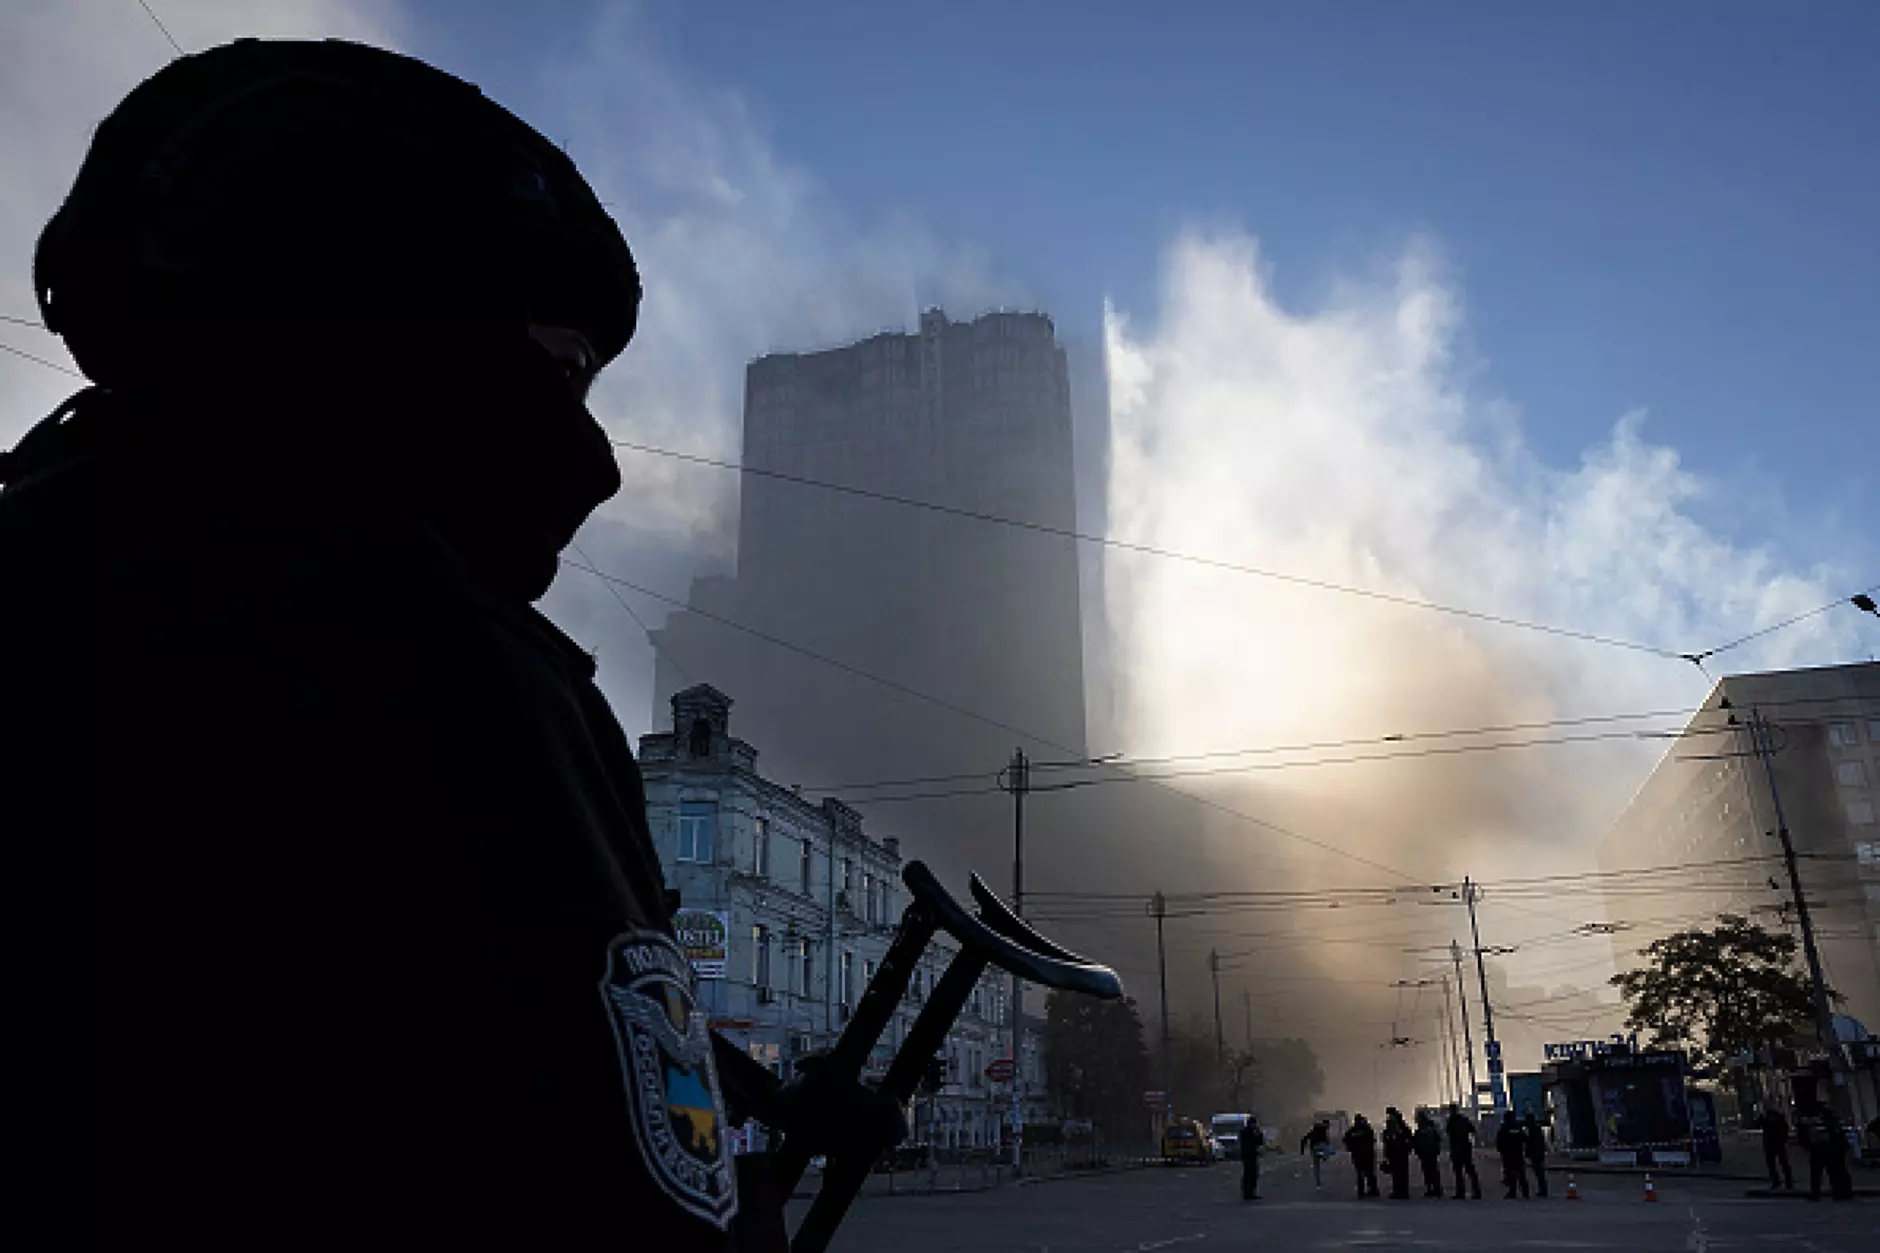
(671, 1081)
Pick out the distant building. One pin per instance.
(973, 417)
(790, 907)
(1708, 804)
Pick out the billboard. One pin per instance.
(705, 936)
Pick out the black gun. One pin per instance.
(994, 936)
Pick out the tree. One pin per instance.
(1290, 1080)
(1720, 993)
(1095, 1063)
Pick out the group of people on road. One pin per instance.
(1824, 1140)
(1521, 1144)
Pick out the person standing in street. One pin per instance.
(1511, 1147)
(1252, 1140)
(1397, 1138)
(1317, 1145)
(1775, 1146)
(1428, 1143)
(1361, 1143)
(1461, 1134)
(1535, 1137)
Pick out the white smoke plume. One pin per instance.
(1355, 443)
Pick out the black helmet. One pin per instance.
(274, 188)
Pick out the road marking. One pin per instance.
(1146, 1245)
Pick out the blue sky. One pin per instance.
(1667, 206)
(1661, 206)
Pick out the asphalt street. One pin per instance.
(1197, 1208)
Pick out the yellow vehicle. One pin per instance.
(1184, 1140)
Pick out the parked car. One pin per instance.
(1184, 1140)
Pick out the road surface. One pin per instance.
(1198, 1210)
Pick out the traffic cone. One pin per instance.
(1573, 1189)
(1651, 1193)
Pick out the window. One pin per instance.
(760, 849)
(868, 893)
(1841, 734)
(698, 823)
(887, 902)
(807, 973)
(1867, 853)
(760, 956)
(1850, 774)
(803, 866)
(868, 975)
(848, 876)
(1873, 731)
(848, 979)
(918, 985)
(1860, 813)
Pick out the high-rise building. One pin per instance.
(1709, 807)
(969, 417)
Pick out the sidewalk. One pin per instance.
(1742, 1163)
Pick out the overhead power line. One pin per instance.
(976, 716)
(34, 357)
(1151, 550)
(1402, 737)
(160, 26)
(1215, 563)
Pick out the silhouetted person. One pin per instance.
(1361, 1143)
(1252, 1140)
(345, 853)
(1826, 1142)
(1775, 1147)
(1397, 1138)
(1535, 1139)
(1317, 1145)
(1460, 1133)
(1511, 1147)
(1428, 1143)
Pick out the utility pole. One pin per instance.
(1158, 906)
(1220, 1040)
(1489, 1045)
(1759, 731)
(1018, 782)
(1468, 1041)
(1449, 1022)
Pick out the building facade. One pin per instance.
(970, 417)
(1710, 806)
(787, 908)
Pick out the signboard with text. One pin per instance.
(705, 936)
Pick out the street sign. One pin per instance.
(1001, 1070)
(1155, 1098)
(705, 935)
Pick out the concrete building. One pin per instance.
(973, 417)
(1709, 802)
(787, 909)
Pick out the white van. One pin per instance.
(1226, 1129)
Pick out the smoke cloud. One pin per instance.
(1357, 443)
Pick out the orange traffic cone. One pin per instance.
(1573, 1189)
(1651, 1193)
